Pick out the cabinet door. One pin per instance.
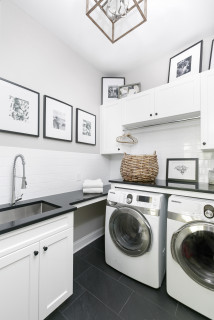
(111, 128)
(207, 110)
(180, 97)
(56, 271)
(139, 107)
(19, 284)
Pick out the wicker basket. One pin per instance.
(142, 168)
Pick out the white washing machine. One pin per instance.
(190, 253)
(135, 234)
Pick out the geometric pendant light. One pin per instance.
(116, 18)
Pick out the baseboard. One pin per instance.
(81, 243)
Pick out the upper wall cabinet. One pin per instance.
(111, 128)
(139, 107)
(179, 98)
(207, 110)
(173, 101)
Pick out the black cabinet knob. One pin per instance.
(118, 149)
(150, 114)
(36, 253)
(156, 113)
(204, 143)
(45, 248)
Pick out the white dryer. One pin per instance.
(190, 253)
(135, 234)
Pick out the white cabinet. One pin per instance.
(173, 101)
(19, 284)
(139, 107)
(111, 128)
(178, 99)
(207, 110)
(56, 270)
(36, 269)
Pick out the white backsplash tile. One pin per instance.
(177, 140)
(50, 172)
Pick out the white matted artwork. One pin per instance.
(186, 63)
(110, 88)
(183, 170)
(58, 119)
(85, 127)
(211, 64)
(19, 109)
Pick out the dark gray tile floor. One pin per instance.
(102, 293)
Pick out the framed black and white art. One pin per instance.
(183, 170)
(19, 109)
(110, 88)
(211, 64)
(85, 127)
(58, 119)
(185, 63)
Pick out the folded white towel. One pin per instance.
(92, 190)
(93, 183)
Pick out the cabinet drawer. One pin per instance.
(28, 235)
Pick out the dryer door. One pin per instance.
(130, 231)
(192, 246)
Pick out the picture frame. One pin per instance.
(85, 127)
(182, 170)
(57, 119)
(129, 89)
(186, 63)
(110, 87)
(19, 109)
(211, 63)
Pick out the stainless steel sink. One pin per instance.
(23, 211)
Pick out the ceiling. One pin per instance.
(171, 25)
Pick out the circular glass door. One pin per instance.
(130, 231)
(192, 247)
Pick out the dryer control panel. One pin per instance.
(135, 198)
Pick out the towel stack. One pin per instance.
(93, 186)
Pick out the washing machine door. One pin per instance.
(130, 231)
(192, 246)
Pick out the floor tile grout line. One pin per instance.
(117, 280)
(176, 308)
(76, 279)
(126, 302)
(115, 312)
(62, 311)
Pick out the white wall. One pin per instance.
(156, 73)
(31, 56)
(177, 140)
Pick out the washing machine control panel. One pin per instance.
(135, 198)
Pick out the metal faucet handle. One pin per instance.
(19, 199)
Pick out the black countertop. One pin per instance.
(64, 202)
(197, 187)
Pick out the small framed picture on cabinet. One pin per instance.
(185, 63)
(110, 88)
(85, 127)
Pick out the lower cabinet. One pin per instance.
(37, 278)
(56, 272)
(19, 278)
